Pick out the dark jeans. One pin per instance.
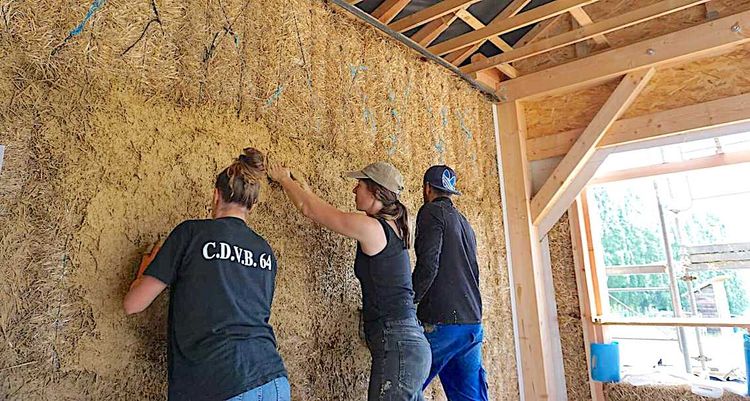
(401, 359)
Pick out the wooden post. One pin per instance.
(535, 341)
(591, 333)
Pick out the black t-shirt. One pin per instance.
(221, 276)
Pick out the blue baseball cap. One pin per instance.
(443, 178)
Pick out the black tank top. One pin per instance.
(387, 292)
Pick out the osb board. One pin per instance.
(702, 80)
(696, 82)
(108, 151)
(626, 392)
(568, 311)
(605, 9)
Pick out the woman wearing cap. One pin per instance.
(401, 355)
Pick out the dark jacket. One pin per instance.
(446, 277)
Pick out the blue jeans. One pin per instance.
(275, 390)
(400, 360)
(457, 359)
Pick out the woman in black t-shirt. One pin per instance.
(400, 352)
(221, 276)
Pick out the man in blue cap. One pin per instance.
(446, 289)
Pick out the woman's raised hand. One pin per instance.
(277, 172)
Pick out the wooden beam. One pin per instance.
(353, 2)
(708, 115)
(718, 248)
(460, 55)
(387, 11)
(591, 333)
(537, 31)
(558, 192)
(582, 48)
(431, 13)
(728, 265)
(712, 12)
(583, 19)
(475, 23)
(530, 17)
(491, 78)
(672, 322)
(595, 256)
(721, 257)
(636, 269)
(524, 255)
(511, 9)
(708, 39)
(576, 36)
(431, 31)
(723, 159)
(640, 289)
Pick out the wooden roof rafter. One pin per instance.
(621, 21)
(425, 26)
(708, 39)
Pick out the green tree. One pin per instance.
(631, 235)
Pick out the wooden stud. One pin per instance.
(733, 110)
(524, 256)
(530, 17)
(431, 13)
(558, 192)
(387, 11)
(709, 39)
(575, 36)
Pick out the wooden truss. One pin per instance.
(529, 214)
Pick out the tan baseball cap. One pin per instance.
(383, 173)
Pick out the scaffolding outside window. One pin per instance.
(699, 215)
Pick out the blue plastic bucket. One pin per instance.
(746, 339)
(605, 362)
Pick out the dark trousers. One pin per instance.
(401, 359)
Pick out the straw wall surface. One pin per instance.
(114, 136)
(626, 392)
(568, 311)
